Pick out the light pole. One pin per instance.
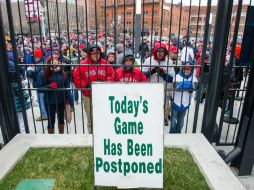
(137, 28)
(42, 10)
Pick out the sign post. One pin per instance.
(128, 134)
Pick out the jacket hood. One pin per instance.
(158, 46)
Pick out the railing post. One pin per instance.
(15, 53)
(8, 119)
(245, 138)
(244, 162)
(222, 27)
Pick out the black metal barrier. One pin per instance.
(163, 41)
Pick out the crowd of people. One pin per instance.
(81, 60)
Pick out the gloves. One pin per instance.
(53, 85)
(154, 70)
(88, 86)
(161, 72)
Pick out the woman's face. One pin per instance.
(83, 54)
(111, 58)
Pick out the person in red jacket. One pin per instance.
(89, 72)
(128, 73)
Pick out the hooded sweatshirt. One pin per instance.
(87, 73)
(164, 61)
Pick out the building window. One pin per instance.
(242, 19)
(154, 12)
(193, 18)
(146, 13)
(128, 23)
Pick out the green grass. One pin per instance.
(72, 168)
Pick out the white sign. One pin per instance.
(128, 134)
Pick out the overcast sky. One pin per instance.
(203, 2)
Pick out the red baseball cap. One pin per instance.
(173, 49)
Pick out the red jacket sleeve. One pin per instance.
(112, 77)
(78, 78)
(110, 71)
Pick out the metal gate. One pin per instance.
(187, 31)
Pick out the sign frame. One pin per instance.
(160, 118)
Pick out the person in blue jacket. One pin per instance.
(184, 84)
(33, 73)
(54, 77)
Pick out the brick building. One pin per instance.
(202, 19)
(150, 23)
(49, 24)
(174, 25)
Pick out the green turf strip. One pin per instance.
(72, 169)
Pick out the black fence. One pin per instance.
(53, 57)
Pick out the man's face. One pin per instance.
(111, 58)
(160, 53)
(128, 63)
(95, 56)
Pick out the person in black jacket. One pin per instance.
(65, 60)
(143, 51)
(55, 78)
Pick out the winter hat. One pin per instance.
(237, 51)
(48, 59)
(94, 49)
(110, 51)
(38, 53)
(187, 64)
(56, 51)
(128, 55)
(119, 48)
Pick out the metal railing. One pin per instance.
(71, 41)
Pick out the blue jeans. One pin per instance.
(143, 58)
(177, 121)
(76, 95)
(43, 111)
(68, 93)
